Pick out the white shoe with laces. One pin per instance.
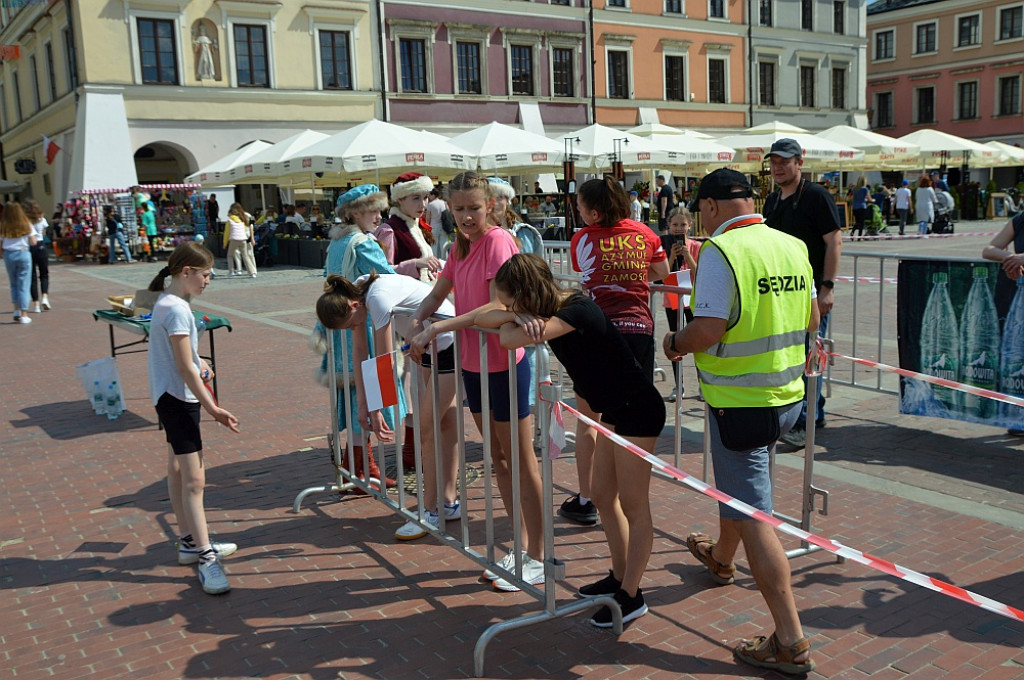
(21, 318)
(212, 576)
(533, 573)
(508, 563)
(191, 555)
(411, 530)
(36, 308)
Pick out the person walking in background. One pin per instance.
(239, 232)
(436, 208)
(149, 222)
(636, 209)
(40, 281)
(618, 258)
(213, 212)
(749, 361)
(666, 201)
(806, 210)
(924, 203)
(178, 380)
(861, 198)
(16, 239)
(115, 235)
(903, 204)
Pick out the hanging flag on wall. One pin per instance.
(50, 149)
(10, 52)
(379, 382)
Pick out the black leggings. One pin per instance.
(673, 325)
(40, 268)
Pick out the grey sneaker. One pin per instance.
(533, 573)
(508, 563)
(211, 575)
(795, 437)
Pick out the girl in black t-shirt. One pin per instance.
(605, 372)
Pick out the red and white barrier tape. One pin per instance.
(898, 237)
(866, 559)
(941, 382)
(867, 279)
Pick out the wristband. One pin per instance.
(828, 283)
(673, 345)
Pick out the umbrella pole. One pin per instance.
(263, 199)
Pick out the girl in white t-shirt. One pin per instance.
(178, 380)
(348, 305)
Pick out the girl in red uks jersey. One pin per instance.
(618, 257)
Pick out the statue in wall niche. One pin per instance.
(206, 49)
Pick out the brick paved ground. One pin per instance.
(92, 589)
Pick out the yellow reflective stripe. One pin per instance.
(749, 348)
(774, 379)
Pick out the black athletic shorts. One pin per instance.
(641, 414)
(445, 360)
(180, 420)
(643, 350)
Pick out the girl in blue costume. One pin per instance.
(353, 252)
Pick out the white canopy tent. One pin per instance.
(880, 151)
(595, 147)
(261, 168)
(211, 174)
(509, 150)
(942, 148)
(1010, 155)
(819, 154)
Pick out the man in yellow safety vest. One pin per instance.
(753, 303)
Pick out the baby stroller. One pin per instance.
(943, 223)
(875, 222)
(262, 251)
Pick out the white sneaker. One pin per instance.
(508, 563)
(212, 576)
(411, 530)
(46, 303)
(533, 573)
(36, 309)
(191, 555)
(252, 276)
(22, 319)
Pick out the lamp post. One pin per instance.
(617, 171)
(569, 185)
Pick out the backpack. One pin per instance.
(448, 221)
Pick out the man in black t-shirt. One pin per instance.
(666, 201)
(806, 210)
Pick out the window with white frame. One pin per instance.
(252, 55)
(718, 85)
(764, 12)
(925, 37)
(1011, 22)
(767, 74)
(883, 117)
(673, 6)
(716, 9)
(807, 15)
(839, 86)
(885, 44)
(1009, 96)
(335, 60)
(967, 100)
(968, 30)
(51, 71)
(563, 72)
(33, 64)
(839, 16)
(618, 74)
(467, 66)
(615, 3)
(412, 56)
(924, 105)
(413, 53)
(675, 78)
(157, 45)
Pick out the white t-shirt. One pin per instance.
(395, 290)
(636, 210)
(903, 198)
(435, 209)
(40, 228)
(171, 316)
(16, 243)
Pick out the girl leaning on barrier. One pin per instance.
(584, 339)
(349, 305)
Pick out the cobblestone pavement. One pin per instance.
(92, 588)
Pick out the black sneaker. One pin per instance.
(632, 608)
(576, 512)
(609, 585)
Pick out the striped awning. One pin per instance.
(144, 187)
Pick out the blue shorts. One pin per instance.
(745, 475)
(497, 389)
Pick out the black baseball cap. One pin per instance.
(722, 184)
(786, 148)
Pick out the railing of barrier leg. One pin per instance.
(554, 570)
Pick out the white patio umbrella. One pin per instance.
(880, 151)
(941, 147)
(376, 147)
(1010, 155)
(597, 144)
(509, 150)
(753, 144)
(211, 174)
(261, 168)
(691, 151)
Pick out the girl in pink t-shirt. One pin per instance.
(683, 256)
(479, 251)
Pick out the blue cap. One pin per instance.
(356, 193)
(501, 188)
(906, 182)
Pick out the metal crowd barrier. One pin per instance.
(345, 479)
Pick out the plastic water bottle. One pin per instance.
(940, 340)
(1011, 359)
(979, 345)
(99, 400)
(114, 407)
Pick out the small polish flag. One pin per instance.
(379, 382)
(680, 278)
(556, 432)
(50, 149)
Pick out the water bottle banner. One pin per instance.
(962, 322)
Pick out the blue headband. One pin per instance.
(356, 193)
(501, 188)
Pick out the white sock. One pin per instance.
(584, 500)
